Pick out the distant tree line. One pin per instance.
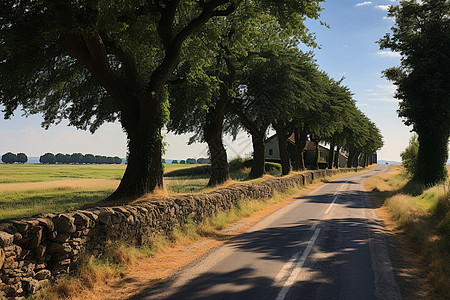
(11, 158)
(193, 161)
(78, 158)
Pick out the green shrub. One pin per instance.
(271, 166)
(239, 163)
(189, 172)
(409, 156)
(191, 161)
(236, 164)
(322, 165)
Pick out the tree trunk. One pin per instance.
(355, 162)
(258, 156)
(144, 172)
(315, 164)
(336, 157)
(282, 144)
(431, 157)
(258, 135)
(351, 155)
(213, 136)
(331, 155)
(300, 143)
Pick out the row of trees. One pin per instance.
(215, 61)
(78, 158)
(200, 161)
(11, 158)
(422, 36)
(280, 87)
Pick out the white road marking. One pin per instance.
(336, 195)
(294, 265)
(290, 264)
(298, 266)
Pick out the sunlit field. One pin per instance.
(30, 189)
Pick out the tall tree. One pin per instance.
(249, 31)
(22, 158)
(421, 34)
(99, 61)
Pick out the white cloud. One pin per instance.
(363, 3)
(384, 99)
(383, 7)
(387, 88)
(388, 18)
(382, 93)
(388, 54)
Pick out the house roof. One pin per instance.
(310, 146)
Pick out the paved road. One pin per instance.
(326, 245)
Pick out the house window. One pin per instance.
(270, 151)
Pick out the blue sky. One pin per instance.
(348, 49)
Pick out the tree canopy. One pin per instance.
(422, 36)
(99, 61)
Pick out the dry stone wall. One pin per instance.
(36, 250)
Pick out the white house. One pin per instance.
(272, 151)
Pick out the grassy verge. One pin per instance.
(423, 214)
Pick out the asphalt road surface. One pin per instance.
(326, 245)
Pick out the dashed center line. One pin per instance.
(295, 265)
(336, 195)
(298, 266)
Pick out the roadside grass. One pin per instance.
(91, 271)
(423, 214)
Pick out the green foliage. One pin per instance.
(174, 161)
(203, 161)
(409, 155)
(9, 158)
(47, 158)
(322, 165)
(236, 164)
(191, 161)
(22, 158)
(239, 164)
(190, 172)
(422, 36)
(272, 168)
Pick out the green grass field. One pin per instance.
(39, 173)
(30, 189)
